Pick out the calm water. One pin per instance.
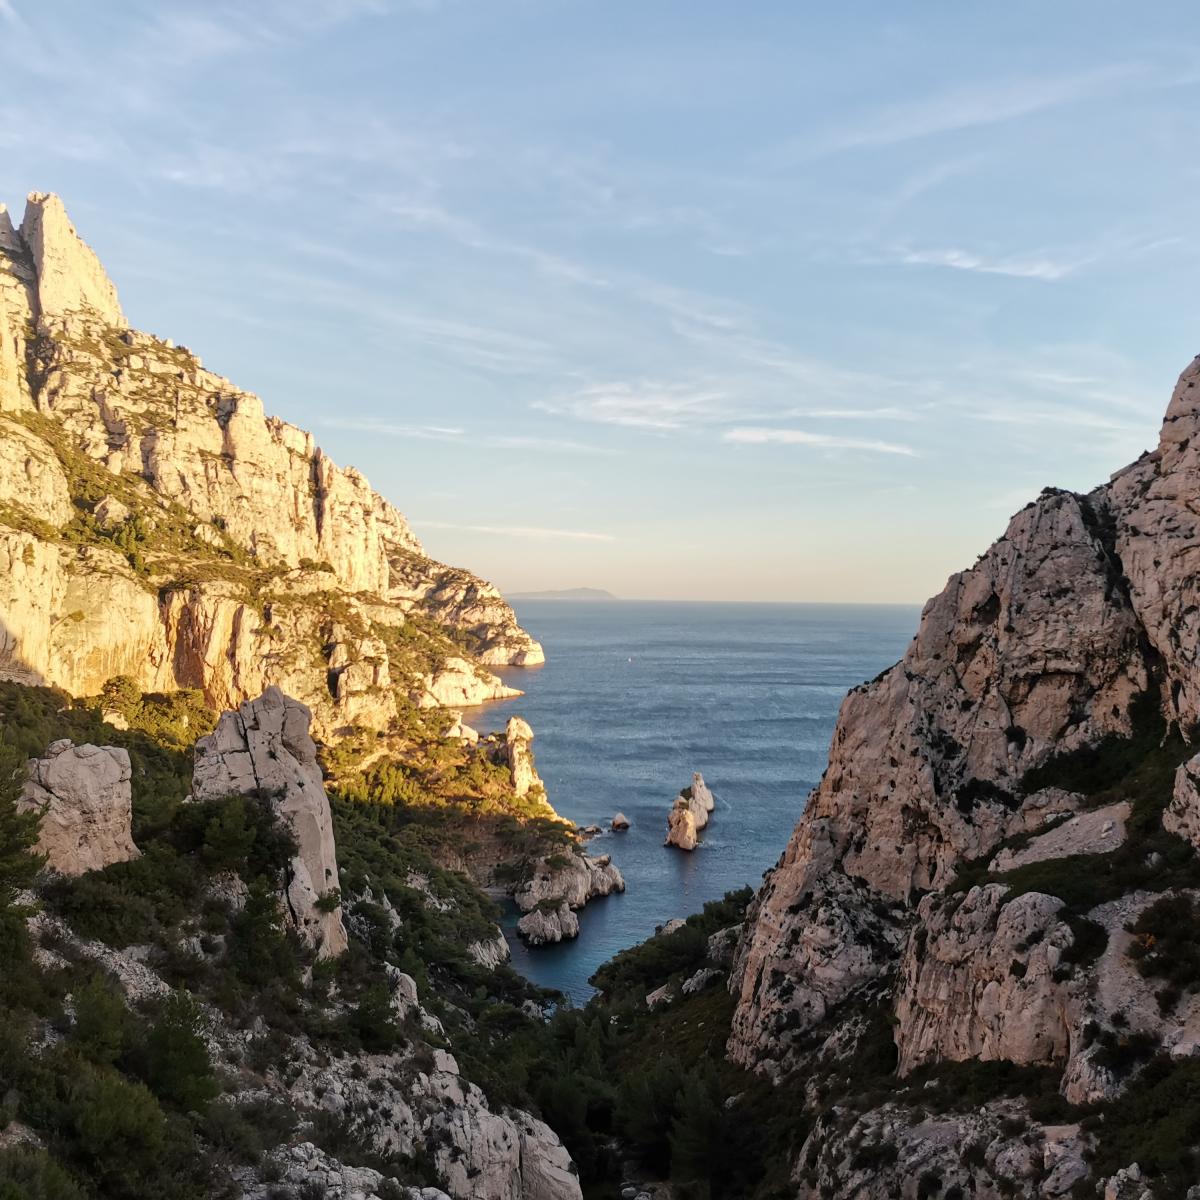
(634, 697)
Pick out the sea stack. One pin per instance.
(689, 814)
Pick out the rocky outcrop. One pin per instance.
(980, 980)
(620, 823)
(479, 1153)
(160, 525)
(516, 754)
(689, 814)
(265, 748)
(85, 798)
(490, 952)
(556, 886)
(551, 922)
(990, 1153)
(1183, 813)
(1059, 649)
(313, 1172)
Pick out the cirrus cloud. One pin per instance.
(758, 435)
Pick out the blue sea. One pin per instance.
(636, 696)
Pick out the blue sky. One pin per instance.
(681, 299)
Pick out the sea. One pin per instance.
(635, 696)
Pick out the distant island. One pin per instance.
(582, 593)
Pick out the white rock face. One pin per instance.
(491, 952)
(689, 814)
(87, 807)
(518, 737)
(581, 878)
(1183, 813)
(460, 684)
(978, 981)
(88, 394)
(1033, 651)
(265, 747)
(70, 277)
(545, 926)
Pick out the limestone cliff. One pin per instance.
(1000, 857)
(155, 523)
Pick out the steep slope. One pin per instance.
(155, 523)
(226, 1008)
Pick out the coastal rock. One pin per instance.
(620, 822)
(689, 814)
(574, 878)
(682, 828)
(548, 924)
(460, 684)
(265, 747)
(86, 802)
(517, 740)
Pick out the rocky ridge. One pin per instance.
(155, 523)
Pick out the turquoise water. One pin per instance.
(635, 696)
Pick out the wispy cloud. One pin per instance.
(433, 433)
(1033, 266)
(883, 413)
(482, 438)
(960, 108)
(530, 532)
(755, 435)
(645, 405)
(9, 13)
(424, 216)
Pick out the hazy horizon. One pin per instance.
(776, 304)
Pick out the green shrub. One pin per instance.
(31, 1174)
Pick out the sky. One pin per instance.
(679, 298)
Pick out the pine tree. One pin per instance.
(18, 831)
(697, 1131)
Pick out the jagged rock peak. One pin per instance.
(70, 277)
(8, 235)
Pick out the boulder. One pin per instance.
(87, 808)
(549, 924)
(265, 748)
(620, 821)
